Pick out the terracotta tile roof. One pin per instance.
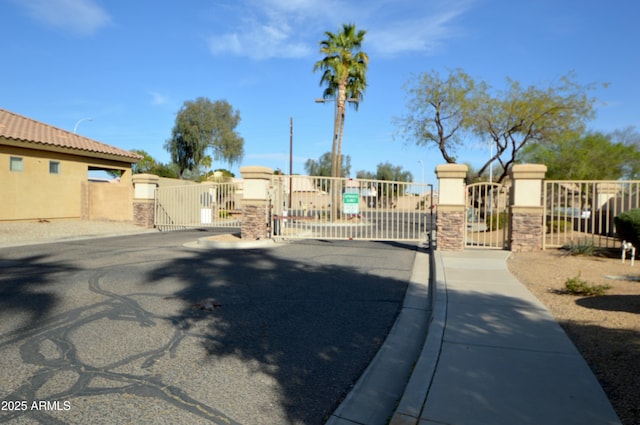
(20, 128)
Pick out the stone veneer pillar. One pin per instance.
(255, 202)
(526, 228)
(450, 222)
(144, 196)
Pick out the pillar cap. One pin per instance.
(145, 178)
(256, 172)
(452, 171)
(528, 171)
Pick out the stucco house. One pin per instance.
(44, 174)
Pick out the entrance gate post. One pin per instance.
(255, 202)
(527, 209)
(450, 222)
(144, 195)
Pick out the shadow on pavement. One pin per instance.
(507, 361)
(313, 324)
(23, 288)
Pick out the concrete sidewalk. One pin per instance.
(495, 355)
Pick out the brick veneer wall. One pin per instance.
(254, 221)
(450, 228)
(526, 231)
(144, 213)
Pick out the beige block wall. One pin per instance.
(35, 193)
(108, 201)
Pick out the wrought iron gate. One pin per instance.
(339, 208)
(487, 216)
(198, 206)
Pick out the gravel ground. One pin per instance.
(31, 232)
(605, 329)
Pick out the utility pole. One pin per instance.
(290, 159)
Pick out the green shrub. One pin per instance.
(628, 226)
(223, 213)
(496, 221)
(558, 226)
(583, 247)
(578, 286)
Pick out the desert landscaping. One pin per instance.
(604, 328)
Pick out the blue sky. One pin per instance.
(130, 65)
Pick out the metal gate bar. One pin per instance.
(366, 209)
(198, 205)
(486, 216)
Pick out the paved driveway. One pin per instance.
(140, 329)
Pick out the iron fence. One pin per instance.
(583, 211)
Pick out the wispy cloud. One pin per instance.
(275, 28)
(158, 99)
(267, 29)
(426, 32)
(259, 41)
(80, 17)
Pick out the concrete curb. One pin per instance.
(374, 396)
(412, 402)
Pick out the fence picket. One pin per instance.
(198, 206)
(583, 210)
(386, 210)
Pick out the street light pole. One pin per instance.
(335, 165)
(422, 182)
(337, 128)
(75, 127)
(491, 163)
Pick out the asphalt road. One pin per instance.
(140, 329)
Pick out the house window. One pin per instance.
(16, 164)
(54, 167)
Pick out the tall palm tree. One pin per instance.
(344, 70)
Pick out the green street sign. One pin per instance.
(350, 203)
